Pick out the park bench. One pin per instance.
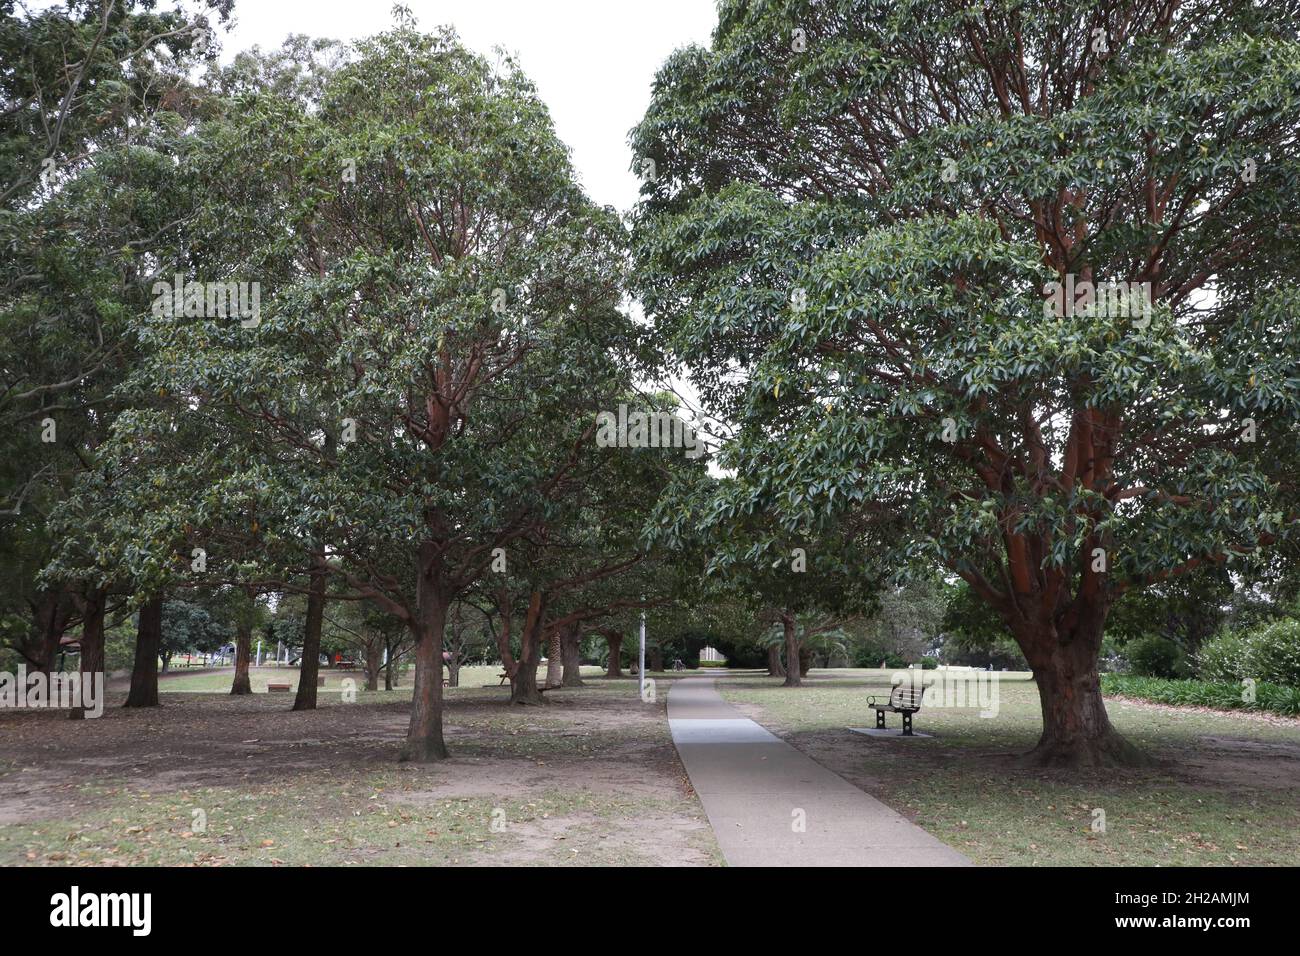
(271, 688)
(903, 699)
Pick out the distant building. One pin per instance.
(712, 655)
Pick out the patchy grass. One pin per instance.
(1227, 790)
(589, 778)
(383, 818)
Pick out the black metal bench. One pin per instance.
(903, 699)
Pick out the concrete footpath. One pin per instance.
(769, 805)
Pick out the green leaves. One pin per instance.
(922, 281)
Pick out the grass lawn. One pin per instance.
(590, 778)
(218, 681)
(1227, 790)
(593, 778)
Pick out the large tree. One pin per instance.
(92, 98)
(437, 331)
(869, 229)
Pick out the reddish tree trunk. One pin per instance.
(243, 648)
(424, 736)
(774, 668)
(656, 661)
(1076, 729)
(523, 682)
(615, 666)
(571, 653)
(148, 640)
(52, 614)
(374, 652)
(92, 644)
(309, 665)
(792, 670)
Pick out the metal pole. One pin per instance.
(640, 668)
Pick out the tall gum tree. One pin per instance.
(853, 216)
(438, 322)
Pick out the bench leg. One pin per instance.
(907, 724)
(880, 720)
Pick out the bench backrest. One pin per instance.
(907, 695)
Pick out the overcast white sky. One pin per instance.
(592, 60)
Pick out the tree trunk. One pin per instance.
(148, 640)
(391, 648)
(424, 736)
(453, 670)
(774, 668)
(571, 654)
(554, 661)
(92, 645)
(309, 666)
(523, 681)
(614, 668)
(52, 614)
(243, 645)
(166, 661)
(656, 661)
(805, 661)
(374, 654)
(792, 671)
(1076, 729)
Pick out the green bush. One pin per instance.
(1273, 653)
(1154, 656)
(1268, 654)
(871, 655)
(1223, 658)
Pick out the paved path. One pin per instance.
(752, 782)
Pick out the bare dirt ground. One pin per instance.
(592, 776)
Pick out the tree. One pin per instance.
(1013, 286)
(805, 577)
(439, 323)
(148, 645)
(189, 626)
(90, 100)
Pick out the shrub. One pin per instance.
(1270, 653)
(1273, 653)
(1154, 656)
(871, 655)
(1196, 693)
(1223, 658)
